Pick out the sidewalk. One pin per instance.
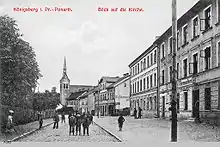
(21, 129)
(158, 130)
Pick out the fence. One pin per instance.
(22, 116)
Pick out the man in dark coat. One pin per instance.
(139, 112)
(86, 122)
(120, 122)
(72, 124)
(135, 113)
(56, 121)
(63, 117)
(78, 124)
(40, 119)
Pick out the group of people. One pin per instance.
(76, 121)
(139, 113)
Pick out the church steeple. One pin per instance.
(64, 66)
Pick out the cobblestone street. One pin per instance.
(48, 134)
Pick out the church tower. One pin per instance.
(64, 85)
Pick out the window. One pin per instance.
(185, 100)
(162, 51)
(141, 66)
(138, 86)
(135, 85)
(144, 104)
(177, 69)
(170, 45)
(141, 85)
(178, 39)
(207, 58)
(147, 82)
(148, 61)
(208, 18)
(144, 63)
(124, 84)
(185, 35)
(151, 58)
(60, 86)
(185, 68)
(195, 27)
(207, 98)
(170, 69)
(151, 81)
(144, 84)
(155, 56)
(155, 102)
(155, 79)
(195, 63)
(138, 66)
(163, 77)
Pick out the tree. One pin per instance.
(20, 70)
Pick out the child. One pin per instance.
(120, 122)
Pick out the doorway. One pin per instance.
(195, 95)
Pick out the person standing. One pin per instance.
(72, 124)
(120, 122)
(78, 124)
(10, 123)
(63, 117)
(139, 112)
(85, 124)
(135, 113)
(56, 121)
(40, 119)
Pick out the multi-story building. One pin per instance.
(104, 101)
(66, 89)
(122, 93)
(143, 82)
(198, 61)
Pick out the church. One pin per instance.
(66, 89)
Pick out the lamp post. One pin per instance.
(174, 99)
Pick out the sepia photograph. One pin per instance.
(109, 71)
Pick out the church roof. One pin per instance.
(75, 95)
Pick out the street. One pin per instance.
(48, 134)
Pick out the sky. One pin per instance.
(95, 43)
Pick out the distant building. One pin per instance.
(66, 89)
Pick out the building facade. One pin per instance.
(122, 93)
(143, 82)
(104, 98)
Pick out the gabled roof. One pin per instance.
(109, 79)
(75, 95)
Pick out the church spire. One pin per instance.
(64, 65)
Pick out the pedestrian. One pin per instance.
(120, 122)
(72, 124)
(85, 123)
(40, 119)
(139, 112)
(90, 117)
(56, 121)
(135, 113)
(10, 123)
(78, 124)
(63, 117)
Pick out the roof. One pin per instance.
(119, 80)
(75, 95)
(109, 79)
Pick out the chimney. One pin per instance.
(157, 37)
(126, 74)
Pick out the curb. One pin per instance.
(26, 134)
(109, 132)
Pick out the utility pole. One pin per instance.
(174, 96)
(98, 98)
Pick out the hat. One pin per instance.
(11, 111)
